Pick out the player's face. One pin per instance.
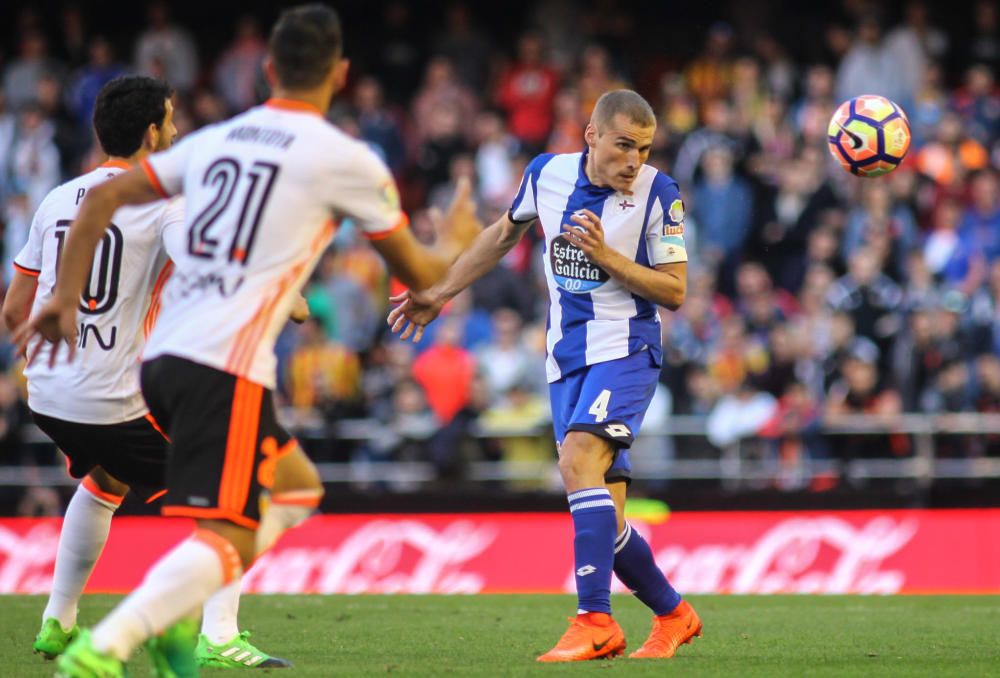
(167, 130)
(619, 151)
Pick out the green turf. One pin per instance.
(501, 635)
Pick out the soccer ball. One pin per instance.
(869, 135)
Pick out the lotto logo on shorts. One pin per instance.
(618, 430)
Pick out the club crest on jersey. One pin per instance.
(674, 223)
(572, 270)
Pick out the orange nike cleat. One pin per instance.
(593, 635)
(670, 631)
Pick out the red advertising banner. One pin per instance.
(879, 552)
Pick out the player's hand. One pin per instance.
(300, 310)
(53, 323)
(460, 225)
(415, 310)
(588, 235)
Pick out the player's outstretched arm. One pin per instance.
(56, 321)
(416, 309)
(418, 266)
(664, 285)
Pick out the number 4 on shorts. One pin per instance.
(600, 406)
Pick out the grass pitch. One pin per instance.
(501, 635)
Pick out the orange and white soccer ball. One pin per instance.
(869, 135)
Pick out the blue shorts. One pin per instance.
(609, 400)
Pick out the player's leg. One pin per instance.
(295, 491)
(675, 622)
(583, 460)
(85, 526)
(82, 537)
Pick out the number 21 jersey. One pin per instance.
(264, 191)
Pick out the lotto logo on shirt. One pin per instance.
(571, 268)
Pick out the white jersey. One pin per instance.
(117, 309)
(593, 317)
(264, 191)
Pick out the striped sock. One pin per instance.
(636, 568)
(594, 525)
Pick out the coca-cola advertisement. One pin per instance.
(874, 552)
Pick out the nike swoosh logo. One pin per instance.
(599, 647)
(856, 141)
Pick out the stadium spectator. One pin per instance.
(870, 65)
(723, 207)
(238, 70)
(466, 46)
(567, 129)
(21, 76)
(861, 391)
(166, 50)
(446, 372)
(378, 124)
(100, 69)
(323, 376)
(526, 91)
(710, 74)
(978, 102)
(981, 222)
(34, 158)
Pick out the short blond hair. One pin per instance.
(624, 102)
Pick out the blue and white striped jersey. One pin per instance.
(592, 317)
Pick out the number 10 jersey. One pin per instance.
(264, 191)
(117, 309)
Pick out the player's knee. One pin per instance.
(295, 472)
(242, 538)
(583, 459)
(107, 483)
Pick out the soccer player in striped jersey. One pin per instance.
(264, 192)
(614, 251)
(93, 407)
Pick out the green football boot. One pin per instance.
(51, 640)
(238, 653)
(173, 651)
(82, 660)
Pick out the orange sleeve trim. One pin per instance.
(89, 485)
(25, 270)
(153, 179)
(309, 498)
(229, 557)
(210, 514)
(156, 495)
(156, 426)
(403, 222)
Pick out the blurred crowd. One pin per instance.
(813, 295)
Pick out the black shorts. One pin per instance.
(133, 452)
(225, 439)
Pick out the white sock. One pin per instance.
(84, 532)
(176, 587)
(218, 622)
(285, 511)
